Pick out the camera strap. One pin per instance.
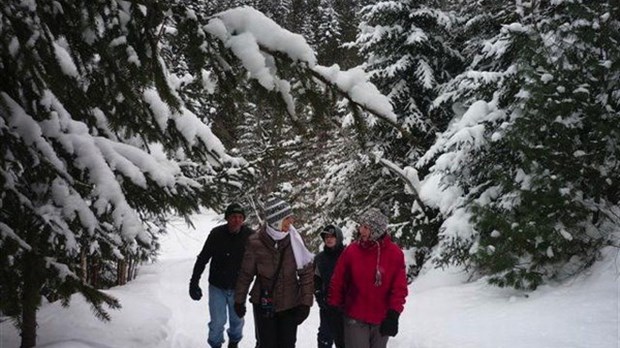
(275, 276)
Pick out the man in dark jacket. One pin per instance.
(225, 247)
(331, 330)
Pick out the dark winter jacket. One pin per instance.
(324, 264)
(292, 288)
(353, 289)
(225, 250)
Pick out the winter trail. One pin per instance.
(442, 309)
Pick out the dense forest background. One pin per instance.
(500, 152)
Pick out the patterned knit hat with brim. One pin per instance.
(332, 230)
(275, 211)
(329, 229)
(377, 222)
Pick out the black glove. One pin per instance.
(320, 298)
(389, 325)
(301, 313)
(240, 309)
(194, 291)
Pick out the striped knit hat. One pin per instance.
(276, 210)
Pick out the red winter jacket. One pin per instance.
(352, 287)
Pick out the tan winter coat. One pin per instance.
(293, 287)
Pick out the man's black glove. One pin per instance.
(389, 325)
(301, 313)
(194, 291)
(240, 309)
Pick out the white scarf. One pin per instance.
(302, 256)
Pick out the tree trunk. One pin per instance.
(30, 301)
(131, 273)
(83, 267)
(121, 272)
(93, 272)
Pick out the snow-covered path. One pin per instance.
(169, 279)
(441, 312)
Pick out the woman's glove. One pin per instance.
(389, 325)
(240, 309)
(194, 291)
(301, 313)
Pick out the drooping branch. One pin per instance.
(243, 31)
(365, 107)
(410, 177)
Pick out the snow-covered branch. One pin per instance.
(255, 39)
(409, 176)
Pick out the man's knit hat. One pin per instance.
(377, 222)
(234, 208)
(276, 210)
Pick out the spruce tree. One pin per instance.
(408, 50)
(349, 15)
(99, 141)
(97, 149)
(538, 169)
(328, 35)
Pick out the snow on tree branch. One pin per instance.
(7, 231)
(251, 36)
(410, 177)
(355, 84)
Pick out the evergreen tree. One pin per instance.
(97, 149)
(536, 164)
(98, 140)
(349, 16)
(277, 10)
(328, 35)
(298, 16)
(330, 26)
(407, 48)
(311, 23)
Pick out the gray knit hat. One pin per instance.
(377, 222)
(276, 210)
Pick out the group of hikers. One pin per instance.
(360, 288)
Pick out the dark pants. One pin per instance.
(280, 331)
(331, 328)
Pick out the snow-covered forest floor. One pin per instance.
(442, 310)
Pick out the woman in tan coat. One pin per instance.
(283, 291)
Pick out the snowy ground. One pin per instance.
(442, 310)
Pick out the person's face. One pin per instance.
(364, 231)
(287, 222)
(330, 240)
(234, 222)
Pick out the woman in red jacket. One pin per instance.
(369, 284)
